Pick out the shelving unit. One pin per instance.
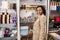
(11, 26)
(33, 3)
(54, 12)
(10, 11)
(28, 4)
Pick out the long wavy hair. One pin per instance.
(44, 11)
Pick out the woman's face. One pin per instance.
(39, 10)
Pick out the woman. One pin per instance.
(39, 26)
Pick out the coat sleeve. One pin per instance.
(43, 28)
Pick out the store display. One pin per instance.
(54, 23)
(7, 11)
(5, 18)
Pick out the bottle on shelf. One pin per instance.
(7, 18)
(6, 32)
(3, 18)
(55, 3)
(10, 6)
(51, 3)
(59, 3)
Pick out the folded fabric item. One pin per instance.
(58, 8)
(24, 30)
(52, 7)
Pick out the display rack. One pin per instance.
(54, 12)
(10, 11)
(11, 26)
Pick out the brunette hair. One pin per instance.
(44, 11)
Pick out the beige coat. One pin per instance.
(39, 28)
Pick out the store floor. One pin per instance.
(10, 38)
